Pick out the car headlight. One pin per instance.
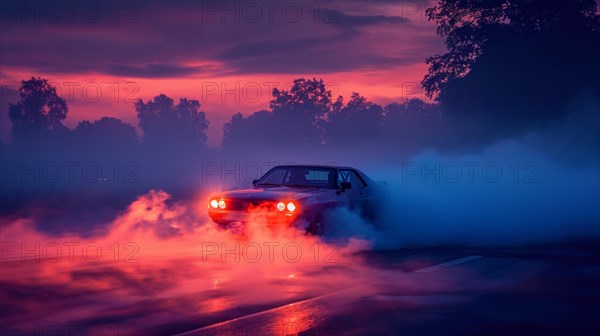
(282, 206)
(214, 203)
(222, 204)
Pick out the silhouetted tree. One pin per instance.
(299, 112)
(473, 28)
(39, 112)
(309, 97)
(412, 125)
(242, 130)
(511, 64)
(106, 134)
(164, 123)
(294, 120)
(359, 121)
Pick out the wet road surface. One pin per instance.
(549, 290)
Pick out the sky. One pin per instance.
(105, 55)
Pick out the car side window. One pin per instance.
(350, 176)
(276, 177)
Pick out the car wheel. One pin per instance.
(316, 226)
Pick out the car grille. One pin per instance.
(236, 205)
(243, 205)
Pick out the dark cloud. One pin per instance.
(288, 47)
(337, 18)
(340, 51)
(319, 61)
(167, 37)
(155, 70)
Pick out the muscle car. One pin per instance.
(300, 195)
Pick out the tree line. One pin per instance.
(305, 117)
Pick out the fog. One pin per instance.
(148, 250)
(536, 186)
(540, 187)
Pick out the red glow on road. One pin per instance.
(189, 265)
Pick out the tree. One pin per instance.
(309, 97)
(512, 64)
(471, 27)
(358, 121)
(294, 119)
(413, 124)
(39, 113)
(107, 133)
(164, 123)
(300, 111)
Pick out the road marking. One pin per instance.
(447, 264)
(263, 312)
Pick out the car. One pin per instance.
(301, 196)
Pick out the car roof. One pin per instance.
(315, 166)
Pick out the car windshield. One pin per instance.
(299, 177)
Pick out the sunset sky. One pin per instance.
(228, 55)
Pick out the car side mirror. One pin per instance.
(254, 182)
(345, 185)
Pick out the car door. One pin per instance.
(356, 196)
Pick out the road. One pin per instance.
(532, 290)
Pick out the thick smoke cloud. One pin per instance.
(539, 186)
(469, 168)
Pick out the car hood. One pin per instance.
(272, 193)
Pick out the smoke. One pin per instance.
(169, 249)
(540, 187)
(517, 198)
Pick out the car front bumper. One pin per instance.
(226, 217)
